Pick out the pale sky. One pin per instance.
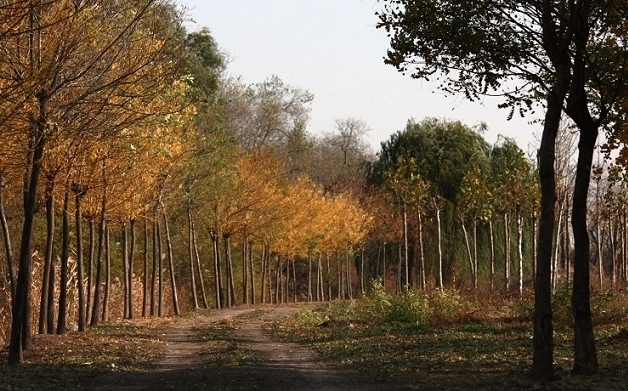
(332, 49)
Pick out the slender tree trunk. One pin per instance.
(107, 295)
(65, 253)
(398, 286)
(173, 282)
(535, 222)
(191, 254)
(95, 315)
(598, 241)
(440, 250)
(294, 281)
(145, 275)
(406, 276)
(90, 266)
(348, 279)
(556, 246)
(320, 294)
(520, 250)
(160, 269)
(506, 252)
(362, 292)
(156, 255)
(125, 269)
(245, 272)
(264, 267)
(230, 280)
(79, 193)
(131, 269)
(199, 269)
(422, 252)
(217, 271)
(329, 278)
(278, 284)
(252, 273)
(492, 244)
(469, 254)
(309, 278)
(8, 248)
(45, 313)
(339, 272)
(611, 240)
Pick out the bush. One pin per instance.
(447, 307)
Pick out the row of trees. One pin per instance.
(129, 124)
(114, 110)
(567, 56)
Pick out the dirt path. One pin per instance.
(278, 365)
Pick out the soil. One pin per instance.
(274, 365)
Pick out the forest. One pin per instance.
(138, 178)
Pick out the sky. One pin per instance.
(333, 49)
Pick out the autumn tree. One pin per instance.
(75, 65)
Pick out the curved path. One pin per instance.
(278, 365)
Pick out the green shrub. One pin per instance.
(447, 307)
(561, 307)
(411, 307)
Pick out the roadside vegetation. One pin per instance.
(448, 340)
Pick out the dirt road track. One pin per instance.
(279, 366)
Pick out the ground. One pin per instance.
(221, 350)
(267, 348)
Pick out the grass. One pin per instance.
(447, 341)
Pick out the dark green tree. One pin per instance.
(558, 53)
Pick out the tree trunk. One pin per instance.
(506, 252)
(173, 282)
(492, 244)
(252, 273)
(543, 339)
(90, 267)
(556, 246)
(65, 253)
(217, 271)
(534, 245)
(131, 268)
(8, 248)
(107, 295)
(199, 269)
(264, 267)
(125, 269)
(160, 268)
(406, 282)
(469, 253)
(520, 250)
(46, 317)
(95, 316)
(309, 278)
(79, 193)
(585, 356)
(440, 250)
(145, 276)
(20, 323)
(153, 284)
(245, 272)
(191, 254)
(422, 252)
(231, 298)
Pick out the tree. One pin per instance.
(522, 50)
(74, 64)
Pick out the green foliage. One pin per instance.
(448, 307)
(415, 307)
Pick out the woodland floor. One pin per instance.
(247, 349)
